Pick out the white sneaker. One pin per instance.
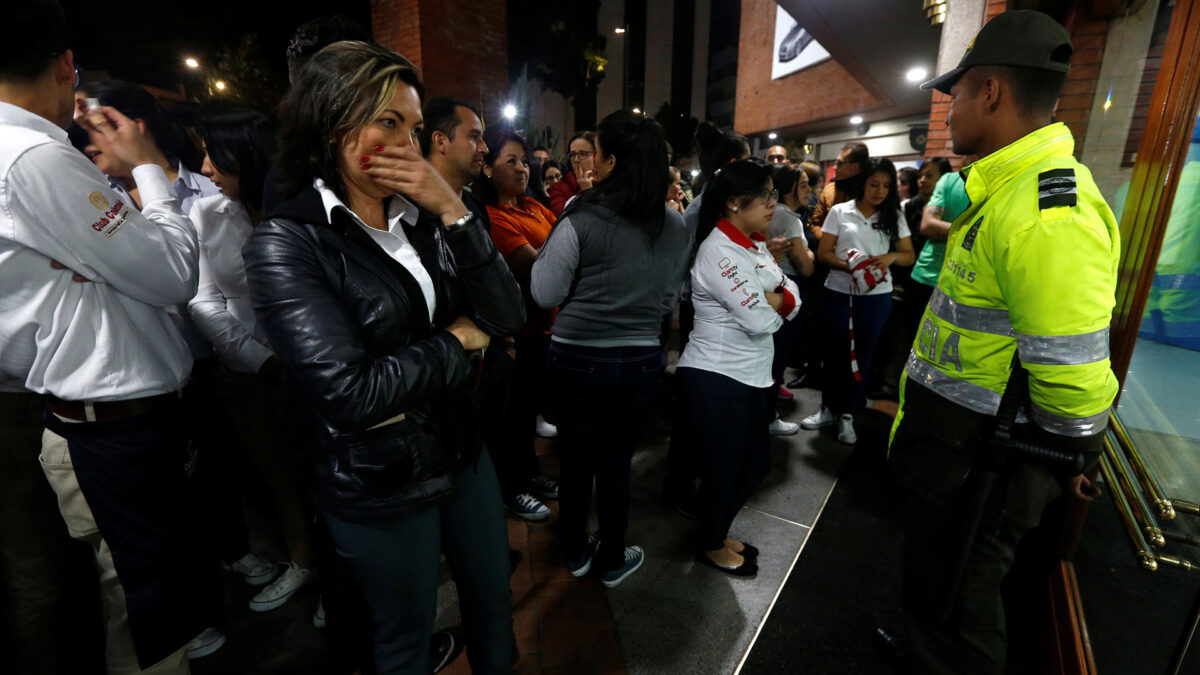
(817, 420)
(781, 428)
(282, 589)
(545, 429)
(256, 569)
(319, 615)
(846, 430)
(205, 643)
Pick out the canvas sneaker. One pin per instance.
(634, 557)
(256, 569)
(545, 429)
(205, 643)
(781, 428)
(846, 430)
(527, 506)
(282, 589)
(545, 488)
(582, 566)
(817, 420)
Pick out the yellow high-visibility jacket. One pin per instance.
(1030, 265)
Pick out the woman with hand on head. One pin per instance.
(377, 288)
(742, 298)
(581, 153)
(861, 239)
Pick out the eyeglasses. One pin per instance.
(768, 195)
(580, 154)
(78, 72)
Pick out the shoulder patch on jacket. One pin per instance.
(969, 241)
(1056, 188)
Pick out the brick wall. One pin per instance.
(823, 91)
(1088, 36)
(460, 46)
(938, 142)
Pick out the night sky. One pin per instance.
(146, 42)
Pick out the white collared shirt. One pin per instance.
(110, 338)
(734, 323)
(222, 309)
(854, 230)
(394, 241)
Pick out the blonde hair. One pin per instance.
(336, 94)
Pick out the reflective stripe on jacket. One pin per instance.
(1030, 265)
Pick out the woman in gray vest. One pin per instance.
(613, 265)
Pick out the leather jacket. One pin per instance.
(387, 399)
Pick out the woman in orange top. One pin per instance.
(520, 225)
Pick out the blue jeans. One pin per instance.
(396, 564)
(841, 392)
(601, 396)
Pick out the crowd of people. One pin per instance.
(380, 301)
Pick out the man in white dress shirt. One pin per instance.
(84, 282)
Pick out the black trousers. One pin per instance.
(514, 455)
(972, 639)
(601, 395)
(730, 422)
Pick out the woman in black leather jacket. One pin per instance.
(378, 290)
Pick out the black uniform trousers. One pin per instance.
(932, 453)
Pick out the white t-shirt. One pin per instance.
(786, 223)
(856, 231)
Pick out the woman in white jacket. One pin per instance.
(238, 148)
(741, 298)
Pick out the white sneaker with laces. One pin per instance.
(282, 589)
(846, 430)
(256, 569)
(545, 429)
(817, 420)
(205, 643)
(781, 428)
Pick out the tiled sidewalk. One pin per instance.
(562, 624)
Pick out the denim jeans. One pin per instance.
(841, 392)
(601, 396)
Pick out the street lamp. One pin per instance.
(191, 63)
(637, 111)
(772, 135)
(220, 85)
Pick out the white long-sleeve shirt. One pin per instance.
(734, 322)
(110, 338)
(222, 309)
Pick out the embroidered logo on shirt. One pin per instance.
(98, 200)
(112, 220)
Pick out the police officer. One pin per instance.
(1030, 273)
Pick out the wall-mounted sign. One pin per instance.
(795, 48)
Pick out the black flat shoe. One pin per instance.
(747, 569)
(749, 551)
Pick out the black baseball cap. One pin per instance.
(1019, 38)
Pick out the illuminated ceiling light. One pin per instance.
(619, 30)
(857, 119)
(772, 135)
(191, 63)
(510, 111)
(637, 111)
(220, 85)
(916, 74)
(695, 172)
